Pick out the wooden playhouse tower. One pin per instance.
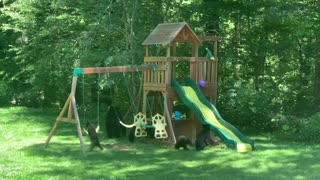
(171, 36)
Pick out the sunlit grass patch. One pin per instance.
(23, 155)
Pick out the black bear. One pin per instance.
(203, 137)
(113, 127)
(183, 142)
(93, 136)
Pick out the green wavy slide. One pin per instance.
(192, 96)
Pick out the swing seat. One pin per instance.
(140, 121)
(159, 123)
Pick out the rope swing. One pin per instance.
(98, 105)
(84, 105)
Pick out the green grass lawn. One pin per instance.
(23, 156)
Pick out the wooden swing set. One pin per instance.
(71, 105)
(158, 73)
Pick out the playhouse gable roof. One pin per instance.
(169, 33)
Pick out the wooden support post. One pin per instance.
(70, 111)
(215, 50)
(147, 50)
(195, 50)
(71, 105)
(215, 82)
(193, 127)
(144, 108)
(73, 91)
(169, 67)
(169, 120)
(168, 50)
(73, 100)
(57, 121)
(174, 64)
(74, 85)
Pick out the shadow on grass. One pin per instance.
(62, 159)
(154, 161)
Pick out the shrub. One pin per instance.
(309, 129)
(4, 94)
(306, 129)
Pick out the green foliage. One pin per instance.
(5, 96)
(248, 106)
(304, 130)
(268, 58)
(310, 128)
(266, 66)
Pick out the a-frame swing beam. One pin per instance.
(71, 105)
(114, 69)
(71, 101)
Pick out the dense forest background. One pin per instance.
(269, 58)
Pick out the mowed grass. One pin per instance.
(23, 133)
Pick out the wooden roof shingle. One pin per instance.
(168, 33)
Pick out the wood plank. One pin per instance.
(215, 50)
(191, 70)
(155, 84)
(154, 59)
(158, 77)
(209, 72)
(161, 68)
(147, 50)
(153, 88)
(149, 75)
(75, 110)
(161, 59)
(191, 59)
(169, 121)
(68, 101)
(212, 74)
(73, 121)
(195, 48)
(97, 70)
(163, 77)
(145, 76)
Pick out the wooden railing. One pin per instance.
(156, 80)
(200, 69)
(205, 70)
